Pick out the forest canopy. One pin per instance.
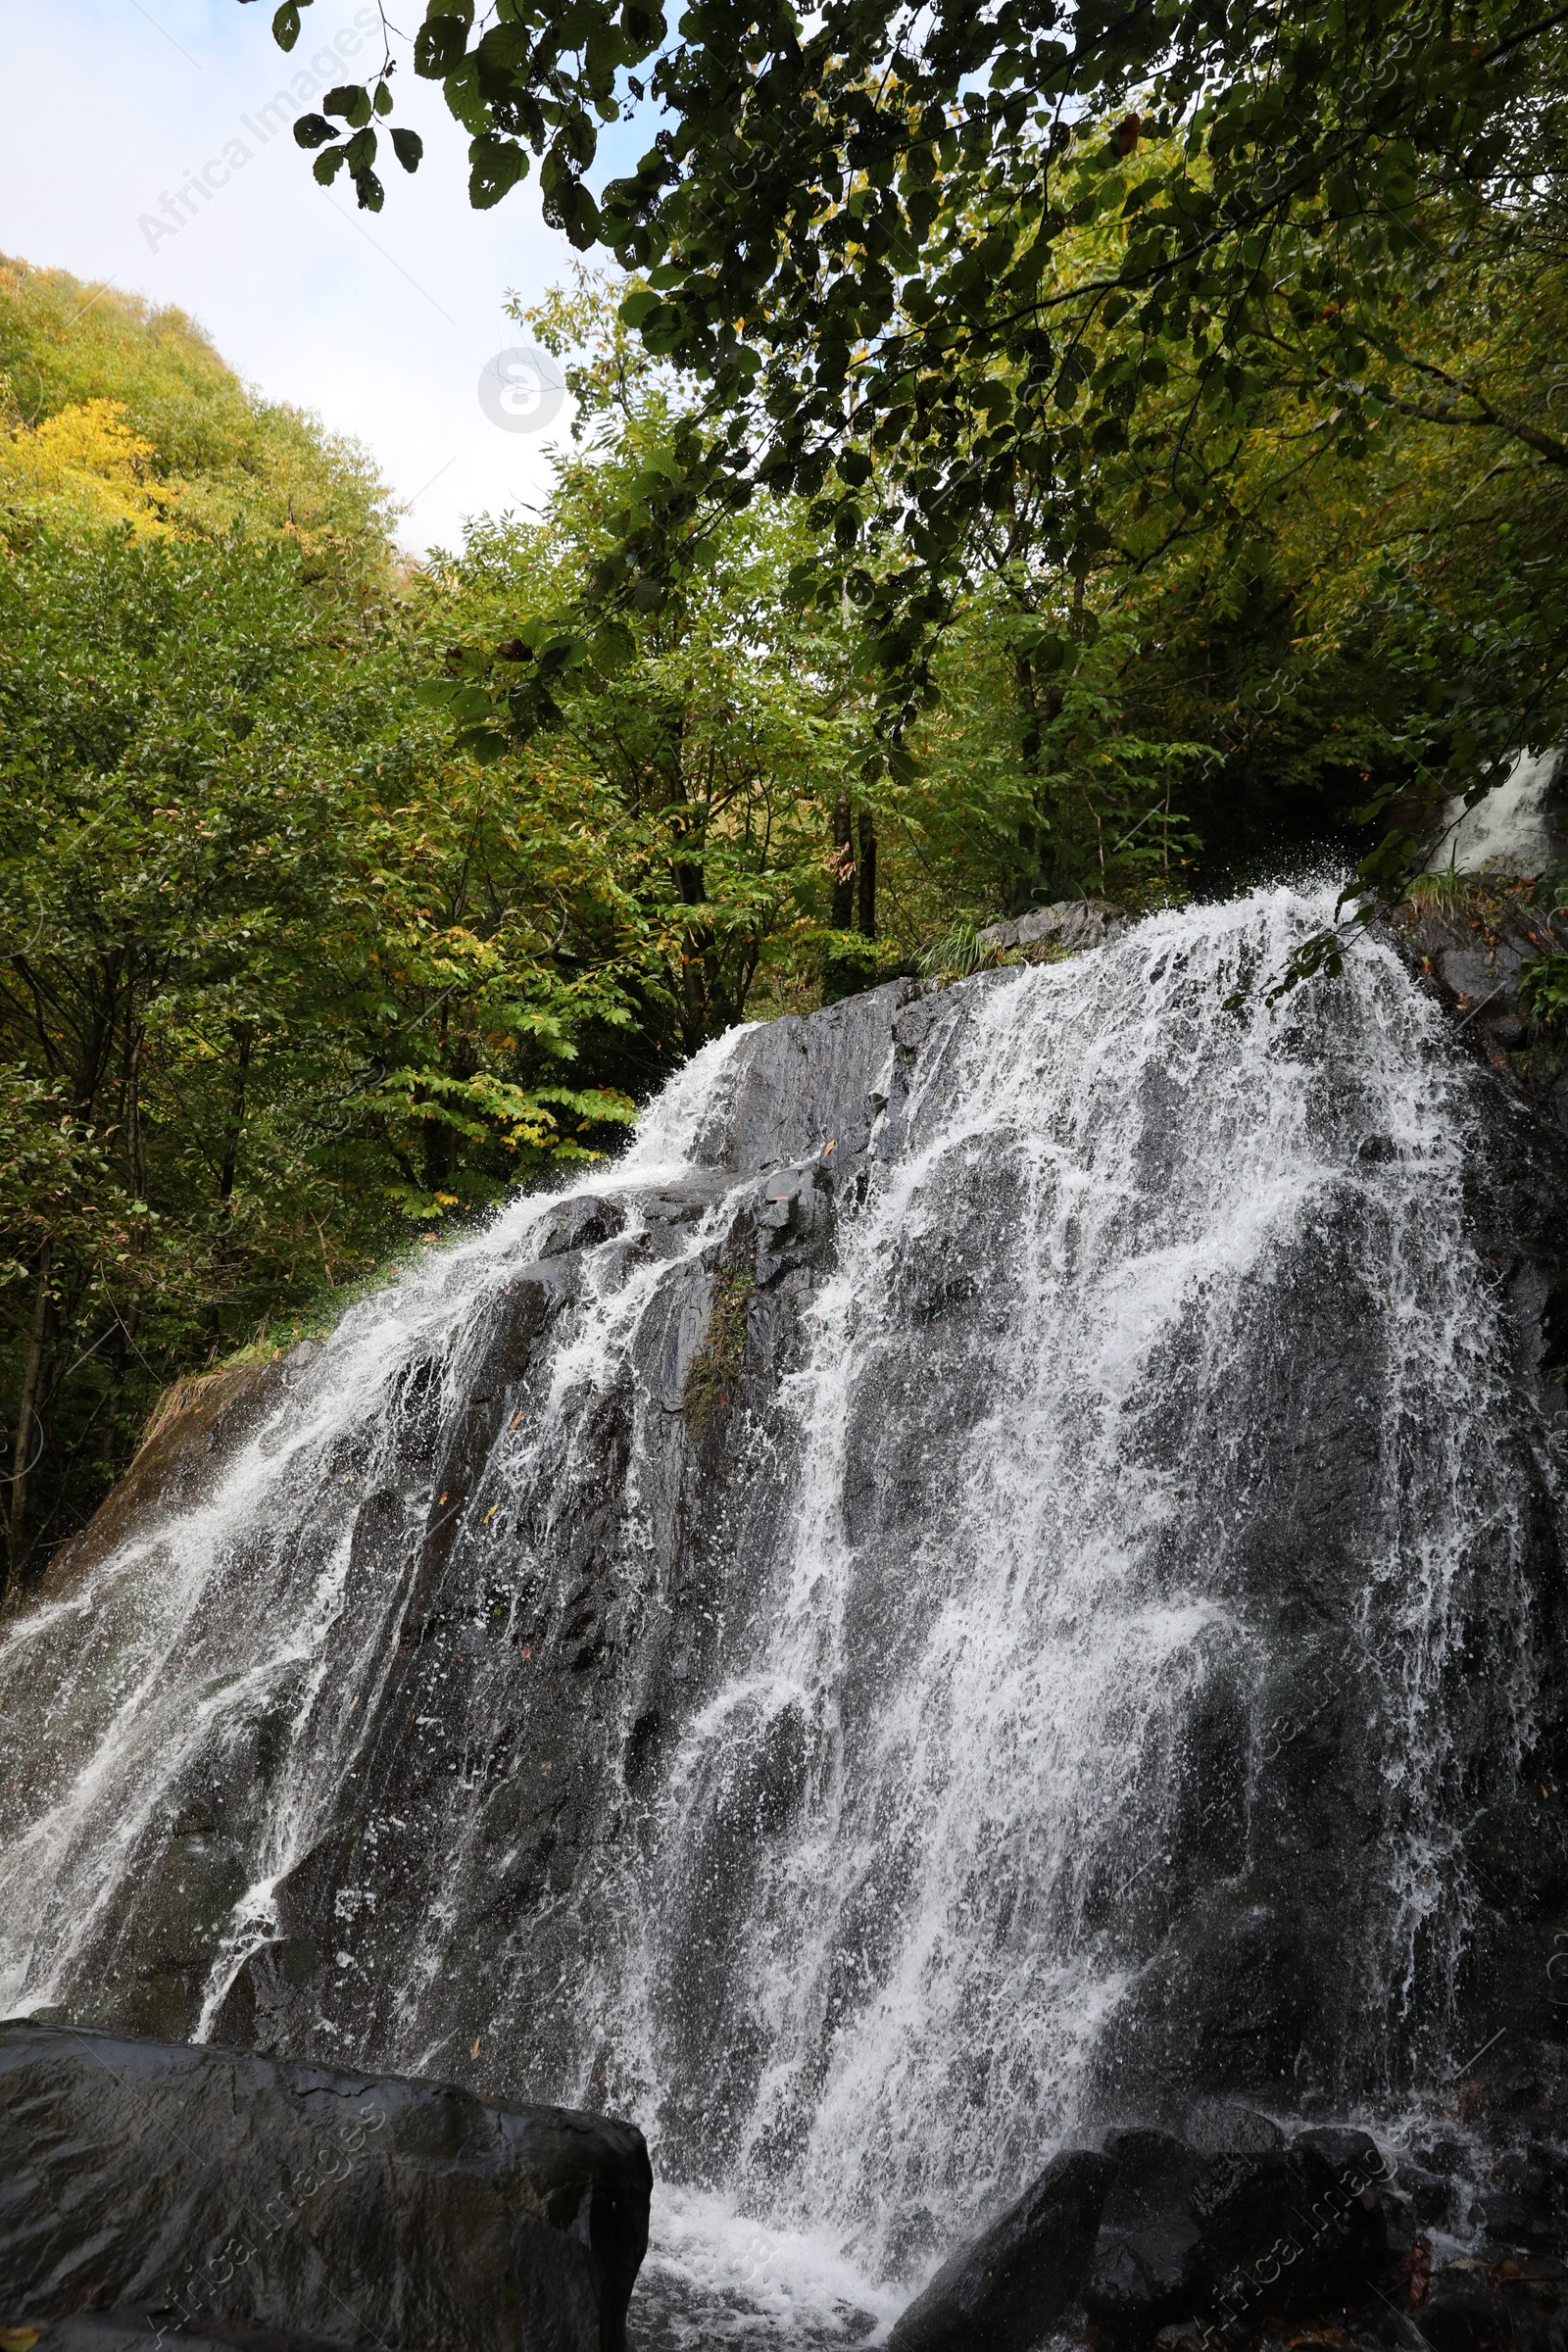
(1020, 286)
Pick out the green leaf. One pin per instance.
(571, 208)
(661, 327)
(313, 131)
(506, 48)
(350, 100)
(286, 23)
(644, 29)
(438, 45)
(614, 647)
(466, 101)
(408, 147)
(605, 51)
(496, 166)
(327, 164)
(484, 743)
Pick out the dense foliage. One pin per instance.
(282, 977)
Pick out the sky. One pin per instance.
(386, 325)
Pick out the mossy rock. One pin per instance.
(717, 1361)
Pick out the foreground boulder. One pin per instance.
(221, 2193)
(1003, 2292)
(1286, 2231)
(1155, 2232)
(1149, 2263)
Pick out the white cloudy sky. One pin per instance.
(381, 323)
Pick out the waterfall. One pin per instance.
(1511, 830)
(1065, 1674)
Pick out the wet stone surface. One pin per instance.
(231, 2198)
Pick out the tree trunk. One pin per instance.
(866, 877)
(697, 978)
(1041, 706)
(232, 1132)
(131, 1099)
(24, 1454)
(236, 1116)
(843, 865)
(1031, 830)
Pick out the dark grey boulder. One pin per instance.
(1467, 2315)
(1347, 2149)
(1432, 2196)
(1522, 2206)
(234, 2197)
(1254, 2234)
(1148, 2265)
(1286, 2231)
(1145, 2279)
(1001, 2292)
(134, 2331)
(1154, 2172)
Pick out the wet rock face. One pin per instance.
(220, 2195)
(1071, 925)
(1471, 950)
(1257, 2233)
(536, 1693)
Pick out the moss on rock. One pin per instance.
(718, 1360)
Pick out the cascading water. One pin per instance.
(1035, 1647)
(1512, 830)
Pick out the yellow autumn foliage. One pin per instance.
(113, 412)
(85, 465)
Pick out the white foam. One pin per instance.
(716, 2277)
